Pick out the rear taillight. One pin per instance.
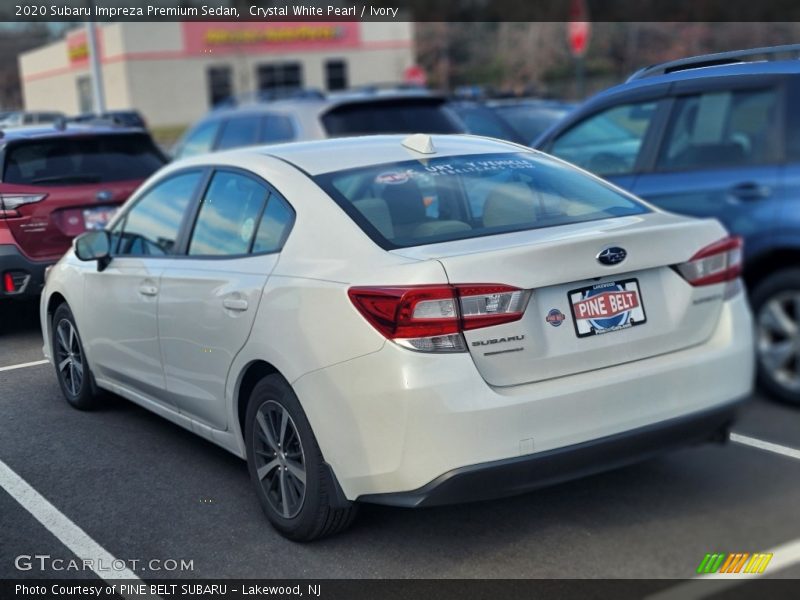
(8, 284)
(9, 203)
(431, 318)
(717, 263)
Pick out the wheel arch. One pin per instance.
(254, 372)
(768, 263)
(55, 300)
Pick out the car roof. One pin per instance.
(760, 67)
(319, 105)
(339, 154)
(69, 130)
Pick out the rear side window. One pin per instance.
(406, 116)
(608, 142)
(237, 132)
(721, 129)
(450, 198)
(80, 160)
(228, 216)
(274, 227)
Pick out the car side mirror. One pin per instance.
(94, 245)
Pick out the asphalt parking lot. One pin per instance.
(143, 489)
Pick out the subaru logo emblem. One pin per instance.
(612, 255)
(104, 196)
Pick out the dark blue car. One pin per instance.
(714, 136)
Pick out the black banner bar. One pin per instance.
(399, 10)
(407, 589)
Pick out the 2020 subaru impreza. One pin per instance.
(408, 321)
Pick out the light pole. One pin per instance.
(98, 91)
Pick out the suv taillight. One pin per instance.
(431, 318)
(717, 263)
(9, 203)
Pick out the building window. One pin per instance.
(84, 84)
(336, 74)
(220, 84)
(279, 76)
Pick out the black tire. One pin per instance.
(304, 515)
(72, 370)
(778, 339)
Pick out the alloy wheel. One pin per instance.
(779, 339)
(279, 459)
(69, 357)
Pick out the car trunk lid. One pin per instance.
(584, 315)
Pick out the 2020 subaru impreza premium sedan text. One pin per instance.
(404, 321)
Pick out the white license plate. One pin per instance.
(607, 307)
(98, 218)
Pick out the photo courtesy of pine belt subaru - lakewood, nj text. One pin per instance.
(410, 321)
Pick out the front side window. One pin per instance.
(721, 129)
(200, 140)
(276, 128)
(151, 226)
(608, 142)
(238, 132)
(228, 217)
(449, 198)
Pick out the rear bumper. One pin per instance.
(28, 274)
(398, 422)
(522, 474)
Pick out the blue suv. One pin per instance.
(714, 136)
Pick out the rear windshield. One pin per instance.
(450, 198)
(397, 116)
(81, 160)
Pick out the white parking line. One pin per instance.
(57, 523)
(764, 445)
(23, 365)
(704, 586)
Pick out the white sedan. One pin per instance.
(407, 321)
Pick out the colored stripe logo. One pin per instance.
(736, 562)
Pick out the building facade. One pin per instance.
(173, 73)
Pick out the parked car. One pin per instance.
(713, 136)
(303, 307)
(532, 117)
(57, 182)
(315, 116)
(22, 118)
(517, 120)
(126, 118)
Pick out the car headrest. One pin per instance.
(509, 204)
(405, 203)
(377, 213)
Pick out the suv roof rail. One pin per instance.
(263, 96)
(713, 60)
(95, 121)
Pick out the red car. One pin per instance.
(57, 182)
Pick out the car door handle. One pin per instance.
(750, 191)
(235, 304)
(148, 290)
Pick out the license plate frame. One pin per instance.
(91, 222)
(618, 319)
